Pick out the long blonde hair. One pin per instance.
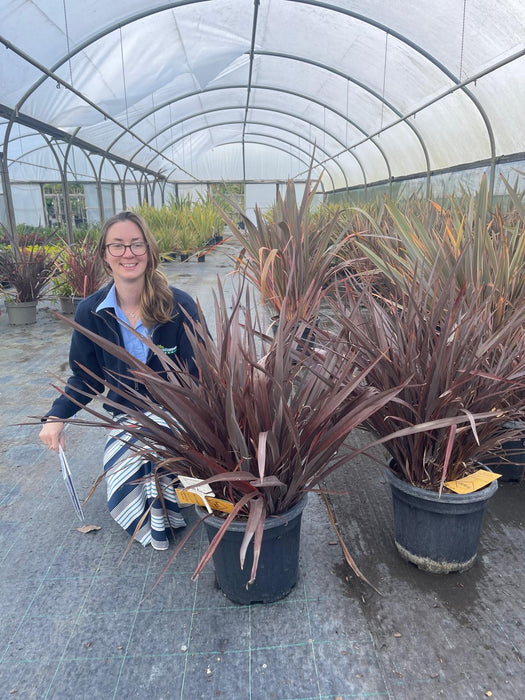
(156, 301)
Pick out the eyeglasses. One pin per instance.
(117, 250)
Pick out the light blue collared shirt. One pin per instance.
(133, 345)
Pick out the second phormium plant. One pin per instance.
(463, 375)
(263, 424)
(27, 270)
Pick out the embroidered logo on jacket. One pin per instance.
(168, 351)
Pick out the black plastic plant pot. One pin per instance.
(439, 534)
(278, 567)
(509, 460)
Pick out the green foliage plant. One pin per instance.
(162, 223)
(206, 219)
(183, 225)
(184, 235)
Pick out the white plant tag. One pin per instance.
(203, 490)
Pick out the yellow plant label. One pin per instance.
(473, 482)
(197, 499)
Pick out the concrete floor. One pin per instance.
(76, 622)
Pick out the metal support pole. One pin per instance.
(492, 181)
(101, 213)
(67, 207)
(8, 200)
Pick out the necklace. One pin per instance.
(132, 315)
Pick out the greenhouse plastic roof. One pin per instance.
(202, 90)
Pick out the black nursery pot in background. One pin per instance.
(509, 460)
(278, 567)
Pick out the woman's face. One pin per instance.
(129, 267)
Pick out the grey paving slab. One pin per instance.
(217, 675)
(39, 638)
(99, 635)
(84, 679)
(349, 670)
(160, 633)
(283, 672)
(28, 680)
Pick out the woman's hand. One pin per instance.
(52, 433)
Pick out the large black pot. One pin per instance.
(278, 567)
(437, 533)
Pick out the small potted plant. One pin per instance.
(78, 272)
(25, 272)
(186, 239)
(63, 291)
(205, 217)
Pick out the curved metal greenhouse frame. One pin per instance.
(138, 103)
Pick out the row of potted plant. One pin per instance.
(69, 270)
(45, 262)
(425, 361)
(184, 227)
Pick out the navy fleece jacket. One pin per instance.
(171, 337)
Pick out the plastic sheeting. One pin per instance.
(211, 90)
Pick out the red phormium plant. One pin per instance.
(263, 423)
(291, 255)
(463, 375)
(79, 268)
(27, 270)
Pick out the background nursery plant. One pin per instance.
(293, 255)
(78, 269)
(25, 272)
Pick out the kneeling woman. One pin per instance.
(140, 297)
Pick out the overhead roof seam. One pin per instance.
(226, 107)
(280, 127)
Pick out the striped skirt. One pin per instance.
(133, 498)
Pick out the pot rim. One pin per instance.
(271, 521)
(425, 494)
